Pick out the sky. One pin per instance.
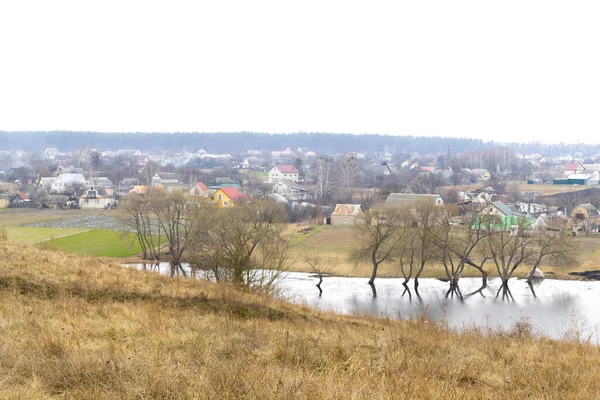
(502, 70)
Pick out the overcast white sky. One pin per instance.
(503, 70)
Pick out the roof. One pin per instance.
(202, 186)
(591, 210)
(69, 177)
(101, 192)
(233, 193)
(395, 199)
(571, 167)
(23, 196)
(287, 169)
(509, 211)
(292, 184)
(347, 209)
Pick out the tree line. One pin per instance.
(414, 239)
(243, 245)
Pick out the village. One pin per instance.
(332, 189)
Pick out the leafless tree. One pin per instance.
(509, 250)
(320, 270)
(379, 234)
(323, 174)
(459, 247)
(348, 175)
(148, 171)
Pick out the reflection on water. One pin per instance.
(562, 309)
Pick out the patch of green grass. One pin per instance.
(29, 235)
(300, 236)
(98, 243)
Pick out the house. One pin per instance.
(222, 182)
(139, 189)
(287, 172)
(572, 168)
(229, 196)
(480, 174)
(97, 198)
(100, 182)
(3, 202)
(46, 183)
(20, 200)
(167, 181)
(585, 217)
(291, 190)
(51, 152)
(509, 217)
(412, 200)
(346, 214)
(67, 182)
(56, 201)
(200, 190)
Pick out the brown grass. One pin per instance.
(75, 327)
(21, 216)
(335, 245)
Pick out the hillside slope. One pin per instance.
(76, 327)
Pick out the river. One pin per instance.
(562, 310)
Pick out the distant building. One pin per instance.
(291, 190)
(227, 197)
(287, 172)
(346, 214)
(97, 198)
(412, 200)
(200, 190)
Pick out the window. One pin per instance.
(220, 196)
(225, 204)
(97, 201)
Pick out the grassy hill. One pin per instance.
(76, 327)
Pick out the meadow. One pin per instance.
(77, 327)
(19, 234)
(97, 243)
(337, 246)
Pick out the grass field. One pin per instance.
(21, 216)
(337, 245)
(33, 235)
(543, 189)
(97, 243)
(79, 328)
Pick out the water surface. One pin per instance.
(562, 310)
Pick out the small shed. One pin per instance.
(346, 214)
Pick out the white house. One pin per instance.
(287, 172)
(291, 190)
(97, 198)
(65, 181)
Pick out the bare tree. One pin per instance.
(320, 270)
(348, 175)
(323, 172)
(379, 233)
(148, 171)
(520, 246)
(459, 247)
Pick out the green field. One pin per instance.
(98, 243)
(19, 234)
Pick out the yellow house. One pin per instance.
(228, 197)
(3, 202)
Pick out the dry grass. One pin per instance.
(543, 189)
(21, 216)
(336, 245)
(75, 327)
